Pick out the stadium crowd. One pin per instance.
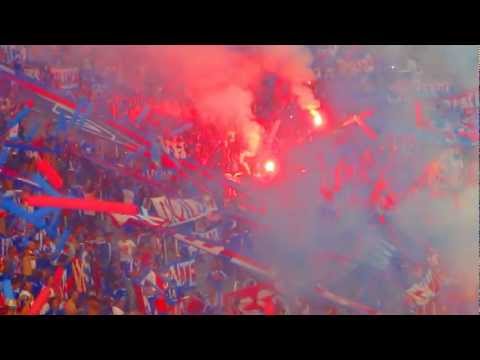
(107, 266)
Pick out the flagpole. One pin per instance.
(165, 250)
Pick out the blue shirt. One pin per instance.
(43, 263)
(36, 287)
(119, 293)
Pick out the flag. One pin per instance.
(149, 304)
(183, 273)
(226, 254)
(335, 298)
(141, 220)
(142, 302)
(78, 270)
(179, 211)
(423, 292)
(253, 299)
(5, 243)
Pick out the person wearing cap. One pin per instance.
(118, 307)
(25, 298)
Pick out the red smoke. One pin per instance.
(217, 84)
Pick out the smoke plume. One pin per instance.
(218, 82)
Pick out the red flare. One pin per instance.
(389, 202)
(377, 191)
(327, 194)
(270, 166)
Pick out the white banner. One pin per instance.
(434, 89)
(32, 72)
(211, 235)
(181, 211)
(183, 273)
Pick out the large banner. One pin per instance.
(171, 212)
(183, 273)
(211, 235)
(32, 72)
(433, 89)
(66, 78)
(181, 211)
(142, 220)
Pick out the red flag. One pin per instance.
(40, 301)
(81, 204)
(47, 170)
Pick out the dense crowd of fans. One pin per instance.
(106, 264)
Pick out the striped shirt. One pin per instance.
(5, 243)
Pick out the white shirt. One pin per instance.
(126, 250)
